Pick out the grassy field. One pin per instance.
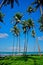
(21, 60)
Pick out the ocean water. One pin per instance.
(10, 53)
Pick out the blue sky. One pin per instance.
(6, 37)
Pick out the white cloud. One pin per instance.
(40, 38)
(3, 35)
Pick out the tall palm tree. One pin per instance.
(11, 2)
(16, 33)
(24, 31)
(37, 3)
(30, 25)
(17, 20)
(27, 25)
(34, 35)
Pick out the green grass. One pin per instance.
(21, 60)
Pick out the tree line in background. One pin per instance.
(24, 26)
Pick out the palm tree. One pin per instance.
(15, 31)
(34, 36)
(37, 3)
(24, 31)
(30, 25)
(27, 25)
(17, 20)
(11, 2)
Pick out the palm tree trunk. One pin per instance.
(37, 44)
(1, 4)
(19, 43)
(26, 41)
(13, 46)
(41, 9)
(25, 44)
(37, 41)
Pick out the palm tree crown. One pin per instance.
(17, 17)
(15, 30)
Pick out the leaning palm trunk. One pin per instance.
(1, 4)
(37, 44)
(37, 41)
(41, 9)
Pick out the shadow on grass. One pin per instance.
(34, 59)
(21, 58)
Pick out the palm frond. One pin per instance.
(11, 2)
(30, 9)
(1, 17)
(33, 33)
(41, 28)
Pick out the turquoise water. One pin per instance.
(28, 53)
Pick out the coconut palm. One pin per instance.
(37, 3)
(11, 2)
(34, 36)
(24, 31)
(16, 33)
(26, 26)
(17, 20)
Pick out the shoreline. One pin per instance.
(2, 54)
